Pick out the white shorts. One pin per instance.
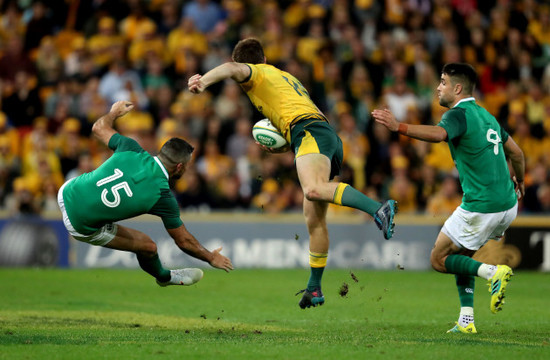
(471, 230)
(101, 237)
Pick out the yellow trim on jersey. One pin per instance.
(317, 260)
(339, 192)
(308, 145)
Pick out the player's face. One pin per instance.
(445, 91)
(180, 169)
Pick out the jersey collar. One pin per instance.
(161, 166)
(471, 98)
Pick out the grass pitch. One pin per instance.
(252, 314)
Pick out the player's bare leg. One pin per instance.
(315, 214)
(314, 171)
(128, 239)
(447, 257)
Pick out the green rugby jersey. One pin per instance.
(130, 183)
(476, 141)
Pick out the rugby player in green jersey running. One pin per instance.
(479, 147)
(131, 183)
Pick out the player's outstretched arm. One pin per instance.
(515, 154)
(103, 127)
(191, 246)
(428, 133)
(231, 70)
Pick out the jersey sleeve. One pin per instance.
(252, 79)
(503, 135)
(167, 209)
(454, 122)
(123, 143)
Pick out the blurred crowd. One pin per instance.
(64, 62)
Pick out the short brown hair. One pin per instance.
(462, 73)
(249, 51)
(175, 151)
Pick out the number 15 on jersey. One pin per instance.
(114, 189)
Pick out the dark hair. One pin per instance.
(248, 51)
(462, 73)
(175, 151)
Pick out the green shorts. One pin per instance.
(313, 136)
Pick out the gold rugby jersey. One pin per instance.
(280, 97)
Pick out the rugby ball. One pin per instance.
(266, 134)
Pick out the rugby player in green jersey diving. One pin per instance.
(131, 183)
(480, 148)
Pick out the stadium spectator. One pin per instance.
(537, 176)
(193, 194)
(10, 136)
(49, 64)
(230, 105)
(91, 104)
(10, 167)
(355, 146)
(229, 32)
(446, 200)
(535, 110)
(145, 45)
(100, 44)
(227, 196)
(70, 145)
(15, 60)
(543, 195)
(23, 201)
(11, 22)
(85, 165)
(168, 16)
(76, 56)
(206, 14)
(239, 141)
(183, 39)
(427, 185)
(62, 96)
(213, 165)
(39, 25)
(155, 77)
(249, 171)
(24, 104)
(121, 82)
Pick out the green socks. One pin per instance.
(152, 265)
(461, 265)
(349, 196)
(315, 278)
(466, 285)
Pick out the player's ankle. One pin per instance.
(486, 271)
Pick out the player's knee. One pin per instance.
(147, 247)
(311, 194)
(438, 264)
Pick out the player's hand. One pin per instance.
(386, 118)
(280, 150)
(221, 262)
(519, 187)
(121, 108)
(195, 84)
